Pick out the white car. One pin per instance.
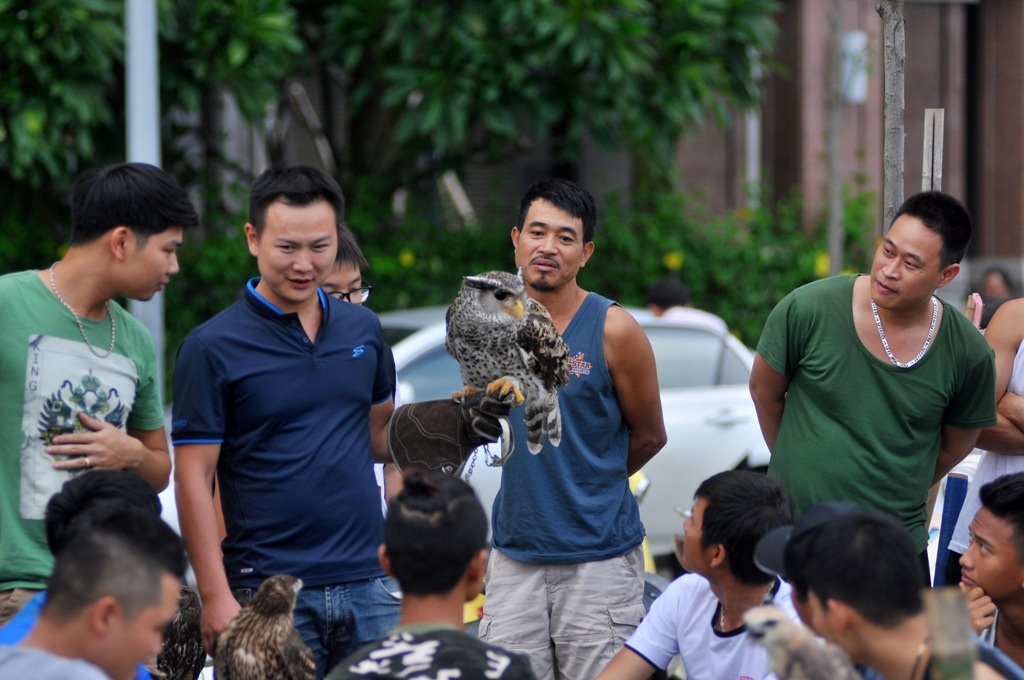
(709, 415)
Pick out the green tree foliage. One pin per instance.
(59, 66)
(445, 81)
(426, 86)
(62, 97)
(209, 49)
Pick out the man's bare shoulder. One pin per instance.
(1010, 313)
(620, 326)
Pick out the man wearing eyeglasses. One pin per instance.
(345, 282)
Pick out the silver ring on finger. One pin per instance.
(87, 463)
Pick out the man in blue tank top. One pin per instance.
(565, 578)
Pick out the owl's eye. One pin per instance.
(500, 295)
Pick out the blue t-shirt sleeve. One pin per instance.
(200, 396)
(383, 384)
(15, 630)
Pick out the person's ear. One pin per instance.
(717, 555)
(252, 239)
(948, 274)
(121, 241)
(475, 575)
(103, 615)
(588, 250)
(843, 615)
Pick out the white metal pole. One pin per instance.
(142, 108)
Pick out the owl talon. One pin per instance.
(504, 386)
(505, 443)
(458, 396)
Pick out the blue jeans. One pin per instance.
(335, 621)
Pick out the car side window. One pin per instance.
(734, 371)
(691, 357)
(432, 375)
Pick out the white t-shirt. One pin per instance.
(27, 662)
(991, 466)
(696, 317)
(682, 621)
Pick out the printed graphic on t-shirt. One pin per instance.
(405, 655)
(579, 365)
(63, 378)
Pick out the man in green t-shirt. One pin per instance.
(78, 386)
(868, 388)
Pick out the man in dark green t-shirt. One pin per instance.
(870, 389)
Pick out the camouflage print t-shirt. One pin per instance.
(432, 651)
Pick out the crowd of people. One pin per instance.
(868, 389)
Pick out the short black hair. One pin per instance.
(867, 561)
(138, 196)
(349, 251)
(1004, 498)
(297, 185)
(434, 528)
(742, 506)
(944, 215)
(91, 490)
(564, 195)
(121, 552)
(668, 291)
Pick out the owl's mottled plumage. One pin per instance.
(261, 643)
(183, 656)
(502, 339)
(794, 651)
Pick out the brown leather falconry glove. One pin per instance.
(441, 434)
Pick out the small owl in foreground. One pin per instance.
(503, 341)
(183, 656)
(261, 643)
(794, 651)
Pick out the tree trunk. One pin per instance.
(894, 29)
(832, 123)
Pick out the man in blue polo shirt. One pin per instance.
(273, 395)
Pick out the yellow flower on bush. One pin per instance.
(822, 264)
(673, 260)
(406, 258)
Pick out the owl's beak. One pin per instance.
(518, 310)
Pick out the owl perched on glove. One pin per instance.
(504, 341)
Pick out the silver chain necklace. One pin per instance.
(81, 328)
(768, 597)
(927, 341)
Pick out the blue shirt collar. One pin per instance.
(251, 288)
